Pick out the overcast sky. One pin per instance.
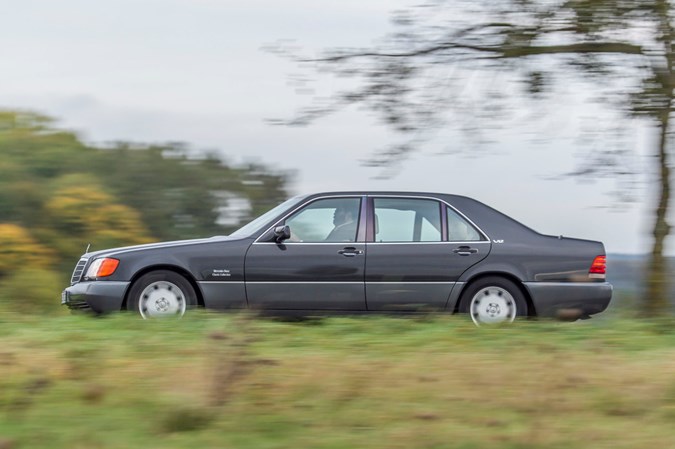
(193, 71)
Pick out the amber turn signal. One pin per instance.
(108, 267)
(101, 268)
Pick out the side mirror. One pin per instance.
(282, 233)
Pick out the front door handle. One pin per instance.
(350, 251)
(464, 250)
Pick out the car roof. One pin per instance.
(380, 192)
(488, 218)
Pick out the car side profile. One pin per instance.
(356, 252)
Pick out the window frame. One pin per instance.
(444, 206)
(417, 222)
(267, 237)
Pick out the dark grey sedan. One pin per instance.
(356, 252)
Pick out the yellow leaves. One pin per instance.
(77, 206)
(125, 220)
(19, 249)
(84, 210)
(59, 221)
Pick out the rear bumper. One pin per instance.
(100, 297)
(550, 299)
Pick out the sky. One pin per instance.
(193, 71)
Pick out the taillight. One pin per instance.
(598, 268)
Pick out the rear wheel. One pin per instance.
(161, 293)
(493, 300)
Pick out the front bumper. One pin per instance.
(98, 296)
(552, 298)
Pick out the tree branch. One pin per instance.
(582, 47)
(498, 52)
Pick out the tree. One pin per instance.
(18, 248)
(80, 209)
(58, 194)
(181, 193)
(178, 191)
(413, 78)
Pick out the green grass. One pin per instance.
(231, 381)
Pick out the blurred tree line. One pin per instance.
(59, 194)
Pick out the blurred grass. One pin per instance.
(213, 380)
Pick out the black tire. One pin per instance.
(493, 300)
(161, 293)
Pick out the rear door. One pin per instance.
(412, 263)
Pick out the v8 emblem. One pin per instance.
(498, 241)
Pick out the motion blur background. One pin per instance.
(135, 121)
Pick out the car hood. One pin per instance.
(124, 249)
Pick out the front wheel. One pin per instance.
(161, 293)
(493, 300)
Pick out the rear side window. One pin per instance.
(407, 220)
(460, 230)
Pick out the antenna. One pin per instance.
(87, 250)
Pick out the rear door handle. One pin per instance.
(464, 250)
(350, 251)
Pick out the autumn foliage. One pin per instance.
(59, 195)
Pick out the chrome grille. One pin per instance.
(77, 273)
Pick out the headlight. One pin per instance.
(101, 268)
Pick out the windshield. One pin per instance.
(255, 225)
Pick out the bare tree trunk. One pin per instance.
(656, 294)
(656, 299)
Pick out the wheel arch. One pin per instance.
(531, 312)
(176, 269)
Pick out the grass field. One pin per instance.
(232, 381)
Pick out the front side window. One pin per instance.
(328, 220)
(407, 220)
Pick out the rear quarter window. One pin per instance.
(460, 230)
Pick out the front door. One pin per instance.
(412, 264)
(321, 267)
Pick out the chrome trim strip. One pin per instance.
(221, 282)
(304, 282)
(428, 243)
(375, 195)
(568, 284)
(312, 243)
(344, 282)
(454, 242)
(412, 282)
